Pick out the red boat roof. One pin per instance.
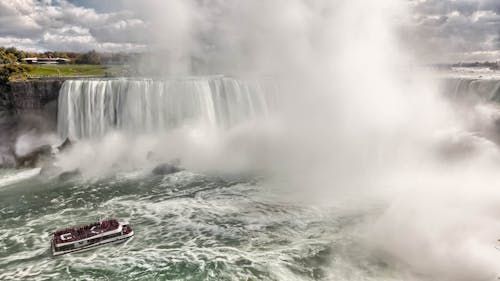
(81, 232)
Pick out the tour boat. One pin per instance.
(86, 237)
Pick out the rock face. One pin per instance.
(166, 169)
(35, 94)
(65, 176)
(34, 157)
(26, 107)
(32, 97)
(65, 145)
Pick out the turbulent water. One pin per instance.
(188, 227)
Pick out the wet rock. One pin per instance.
(65, 145)
(166, 169)
(69, 175)
(32, 158)
(7, 161)
(49, 170)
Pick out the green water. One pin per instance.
(187, 227)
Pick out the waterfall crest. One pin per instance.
(473, 90)
(92, 107)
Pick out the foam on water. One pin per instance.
(188, 226)
(8, 177)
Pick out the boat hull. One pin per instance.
(104, 242)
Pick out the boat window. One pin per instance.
(94, 240)
(111, 235)
(66, 247)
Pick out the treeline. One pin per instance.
(486, 64)
(12, 55)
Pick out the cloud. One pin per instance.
(457, 29)
(135, 29)
(15, 19)
(63, 26)
(439, 30)
(21, 43)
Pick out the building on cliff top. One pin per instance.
(45, 60)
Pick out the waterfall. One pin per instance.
(92, 107)
(472, 90)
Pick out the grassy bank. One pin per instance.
(75, 70)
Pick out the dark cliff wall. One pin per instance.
(34, 94)
(28, 107)
(32, 97)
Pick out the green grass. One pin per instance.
(75, 70)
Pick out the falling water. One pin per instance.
(471, 89)
(91, 108)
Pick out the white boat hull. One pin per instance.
(113, 240)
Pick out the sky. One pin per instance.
(459, 29)
(454, 30)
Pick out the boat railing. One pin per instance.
(83, 232)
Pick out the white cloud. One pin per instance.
(21, 43)
(62, 26)
(455, 29)
(442, 29)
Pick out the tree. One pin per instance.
(17, 53)
(13, 71)
(6, 58)
(91, 57)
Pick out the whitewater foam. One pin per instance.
(8, 177)
(186, 224)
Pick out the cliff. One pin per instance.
(34, 94)
(26, 108)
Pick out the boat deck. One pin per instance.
(81, 232)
